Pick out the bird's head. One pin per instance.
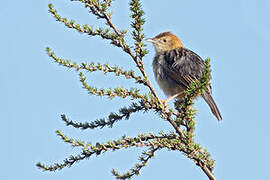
(165, 41)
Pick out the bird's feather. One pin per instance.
(184, 66)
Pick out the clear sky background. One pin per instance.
(35, 91)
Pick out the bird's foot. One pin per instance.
(165, 102)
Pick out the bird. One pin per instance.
(176, 67)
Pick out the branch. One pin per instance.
(111, 93)
(138, 36)
(144, 158)
(209, 174)
(92, 67)
(187, 117)
(100, 10)
(103, 33)
(112, 118)
(89, 149)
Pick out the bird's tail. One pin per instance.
(210, 101)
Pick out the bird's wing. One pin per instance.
(184, 66)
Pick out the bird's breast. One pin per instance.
(168, 85)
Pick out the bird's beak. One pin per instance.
(150, 40)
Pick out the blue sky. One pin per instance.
(35, 91)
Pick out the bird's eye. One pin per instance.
(164, 40)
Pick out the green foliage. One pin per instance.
(137, 24)
(181, 117)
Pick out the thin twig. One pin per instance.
(176, 127)
(109, 21)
